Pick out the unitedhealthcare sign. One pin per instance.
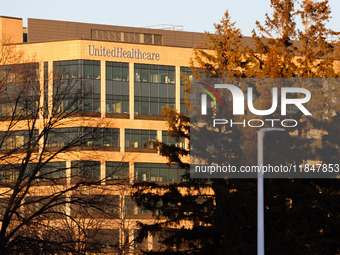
(119, 52)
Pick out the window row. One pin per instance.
(84, 205)
(84, 136)
(91, 170)
(154, 73)
(77, 88)
(71, 69)
(21, 139)
(60, 137)
(20, 73)
(152, 105)
(119, 71)
(157, 172)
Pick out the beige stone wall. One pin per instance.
(78, 49)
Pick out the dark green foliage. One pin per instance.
(219, 216)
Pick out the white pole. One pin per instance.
(260, 203)
(260, 191)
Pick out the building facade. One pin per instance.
(117, 81)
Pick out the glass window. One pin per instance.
(131, 207)
(154, 173)
(60, 137)
(108, 88)
(163, 176)
(154, 108)
(99, 239)
(145, 107)
(45, 71)
(117, 73)
(83, 136)
(157, 172)
(145, 89)
(117, 88)
(173, 174)
(19, 90)
(86, 169)
(171, 90)
(163, 91)
(9, 173)
(53, 171)
(96, 88)
(117, 170)
(18, 139)
(45, 87)
(125, 72)
(154, 90)
(96, 71)
(186, 74)
(172, 140)
(109, 137)
(77, 86)
(99, 206)
(145, 75)
(155, 76)
(73, 71)
(138, 138)
(34, 203)
(88, 72)
(125, 90)
(155, 82)
(108, 71)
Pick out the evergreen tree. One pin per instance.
(298, 220)
(228, 57)
(273, 56)
(219, 216)
(198, 212)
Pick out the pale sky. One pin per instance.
(196, 16)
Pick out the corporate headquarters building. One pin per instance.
(128, 74)
(115, 81)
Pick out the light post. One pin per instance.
(260, 194)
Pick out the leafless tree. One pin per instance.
(46, 205)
